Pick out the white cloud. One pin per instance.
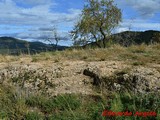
(121, 29)
(37, 15)
(138, 24)
(35, 2)
(145, 8)
(40, 34)
(139, 15)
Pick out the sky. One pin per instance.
(33, 20)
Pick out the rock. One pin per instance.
(94, 73)
(145, 79)
(117, 86)
(138, 79)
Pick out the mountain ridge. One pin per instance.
(11, 45)
(128, 38)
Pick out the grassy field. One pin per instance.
(19, 105)
(140, 54)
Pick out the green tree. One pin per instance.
(98, 19)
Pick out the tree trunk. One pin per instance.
(104, 44)
(104, 37)
(98, 45)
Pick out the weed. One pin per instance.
(33, 116)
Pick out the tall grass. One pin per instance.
(140, 54)
(75, 107)
(135, 54)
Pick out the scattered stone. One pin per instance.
(79, 77)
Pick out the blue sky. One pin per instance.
(33, 20)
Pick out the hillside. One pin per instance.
(9, 45)
(128, 38)
(135, 38)
(80, 84)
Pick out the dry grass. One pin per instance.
(7, 58)
(135, 55)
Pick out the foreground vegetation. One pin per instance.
(74, 107)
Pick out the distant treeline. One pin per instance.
(9, 45)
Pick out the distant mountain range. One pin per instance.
(9, 45)
(128, 38)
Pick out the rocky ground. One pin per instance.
(78, 76)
